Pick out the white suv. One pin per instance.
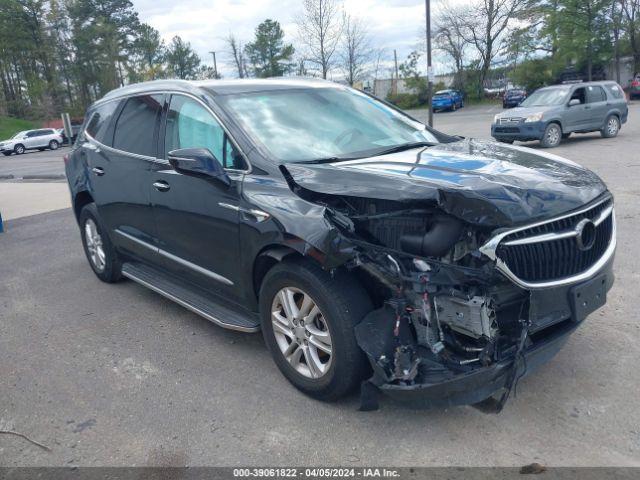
(30, 140)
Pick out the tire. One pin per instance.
(109, 269)
(453, 107)
(611, 127)
(19, 149)
(342, 303)
(53, 145)
(552, 136)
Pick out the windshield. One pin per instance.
(546, 97)
(318, 123)
(20, 134)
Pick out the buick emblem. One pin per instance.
(585, 234)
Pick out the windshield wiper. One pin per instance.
(404, 146)
(329, 160)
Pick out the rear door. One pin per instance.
(597, 103)
(119, 164)
(197, 218)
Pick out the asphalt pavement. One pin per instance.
(118, 375)
(34, 164)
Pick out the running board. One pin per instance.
(190, 298)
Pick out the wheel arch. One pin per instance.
(266, 259)
(81, 199)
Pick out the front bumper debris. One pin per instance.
(406, 371)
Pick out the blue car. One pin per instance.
(447, 100)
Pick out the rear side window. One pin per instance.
(595, 94)
(136, 126)
(614, 90)
(99, 121)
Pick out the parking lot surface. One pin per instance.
(118, 375)
(47, 164)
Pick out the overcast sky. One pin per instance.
(204, 23)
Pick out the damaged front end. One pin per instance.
(450, 326)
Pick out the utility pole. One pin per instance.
(215, 65)
(394, 82)
(427, 4)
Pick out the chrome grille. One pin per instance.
(554, 252)
(510, 120)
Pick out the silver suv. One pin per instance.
(552, 113)
(30, 140)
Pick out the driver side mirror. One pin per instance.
(573, 102)
(198, 162)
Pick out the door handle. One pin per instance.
(161, 186)
(99, 171)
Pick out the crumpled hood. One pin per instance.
(483, 183)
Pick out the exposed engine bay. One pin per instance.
(444, 309)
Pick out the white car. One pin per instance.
(31, 140)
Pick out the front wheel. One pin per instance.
(53, 144)
(308, 321)
(18, 149)
(552, 136)
(611, 127)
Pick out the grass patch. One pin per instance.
(9, 126)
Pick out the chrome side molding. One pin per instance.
(175, 258)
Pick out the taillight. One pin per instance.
(65, 158)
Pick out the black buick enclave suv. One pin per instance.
(369, 249)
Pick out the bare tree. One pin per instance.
(450, 35)
(356, 51)
(319, 29)
(236, 50)
(485, 24)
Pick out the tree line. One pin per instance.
(62, 55)
(537, 42)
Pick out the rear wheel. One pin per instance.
(552, 136)
(98, 248)
(53, 144)
(18, 149)
(308, 321)
(611, 127)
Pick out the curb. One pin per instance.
(43, 177)
(33, 177)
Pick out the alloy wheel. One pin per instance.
(301, 332)
(553, 135)
(94, 244)
(612, 126)
(19, 149)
